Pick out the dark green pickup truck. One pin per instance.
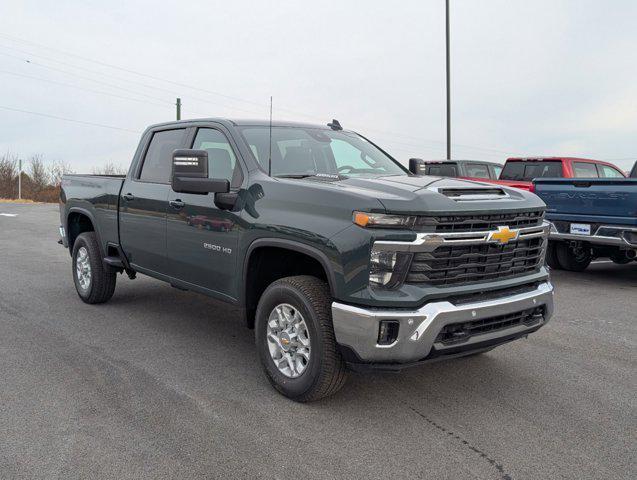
(338, 256)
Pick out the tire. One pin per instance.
(101, 283)
(324, 372)
(551, 257)
(573, 260)
(620, 258)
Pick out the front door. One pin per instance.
(144, 202)
(202, 238)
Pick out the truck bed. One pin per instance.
(96, 196)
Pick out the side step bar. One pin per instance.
(114, 262)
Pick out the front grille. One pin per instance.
(475, 263)
(477, 223)
(461, 332)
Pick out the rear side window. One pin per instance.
(477, 170)
(584, 170)
(527, 171)
(609, 172)
(497, 170)
(158, 160)
(442, 170)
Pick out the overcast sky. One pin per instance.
(528, 77)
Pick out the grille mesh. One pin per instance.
(466, 264)
(460, 332)
(475, 223)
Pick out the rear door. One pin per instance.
(442, 169)
(495, 171)
(478, 171)
(202, 238)
(144, 201)
(584, 170)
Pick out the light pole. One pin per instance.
(19, 179)
(448, 85)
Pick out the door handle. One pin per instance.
(177, 204)
(128, 197)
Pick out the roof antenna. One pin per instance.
(335, 125)
(270, 153)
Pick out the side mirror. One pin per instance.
(417, 166)
(190, 174)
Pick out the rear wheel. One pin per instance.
(551, 257)
(621, 257)
(575, 256)
(295, 339)
(93, 282)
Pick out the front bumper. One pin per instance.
(357, 328)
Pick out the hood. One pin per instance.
(418, 194)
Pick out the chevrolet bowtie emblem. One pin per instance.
(504, 235)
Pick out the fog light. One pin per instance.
(387, 332)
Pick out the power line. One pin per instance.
(81, 88)
(68, 119)
(120, 79)
(109, 65)
(31, 62)
(422, 141)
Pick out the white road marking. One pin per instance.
(8, 214)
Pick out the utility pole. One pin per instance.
(19, 179)
(178, 104)
(448, 87)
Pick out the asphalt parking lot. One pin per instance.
(160, 383)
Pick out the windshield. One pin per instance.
(527, 171)
(298, 151)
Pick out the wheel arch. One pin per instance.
(306, 260)
(80, 220)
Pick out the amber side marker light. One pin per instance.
(361, 219)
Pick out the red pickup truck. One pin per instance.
(520, 172)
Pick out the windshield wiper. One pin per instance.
(295, 175)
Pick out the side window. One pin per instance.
(497, 170)
(477, 170)
(222, 162)
(584, 170)
(158, 160)
(609, 172)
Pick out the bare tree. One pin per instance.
(39, 174)
(57, 169)
(109, 169)
(8, 176)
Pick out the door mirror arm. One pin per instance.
(226, 200)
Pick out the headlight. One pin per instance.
(388, 269)
(382, 220)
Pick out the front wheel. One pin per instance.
(295, 339)
(94, 284)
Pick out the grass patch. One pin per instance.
(15, 200)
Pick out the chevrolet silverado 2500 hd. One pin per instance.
(336, 254)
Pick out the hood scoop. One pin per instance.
(468, 194)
